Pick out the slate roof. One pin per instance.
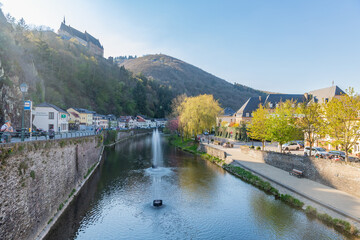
(277, 98)
(328, 93)
(45, 104)
(228, 111)
(249, 106)
(82, 110)
(84, 36)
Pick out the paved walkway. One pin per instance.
(339, 201)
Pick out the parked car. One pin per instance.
(291, 146)
(337, 154)
(301, 143)
(317, 152)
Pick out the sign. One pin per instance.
(63, 115)
(27, 105)
(41, 114)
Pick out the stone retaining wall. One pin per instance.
(36, 177)
(339, 175)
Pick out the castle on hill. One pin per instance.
(70, 33)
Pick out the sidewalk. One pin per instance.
(336, 200)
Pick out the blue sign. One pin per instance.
(27, 105)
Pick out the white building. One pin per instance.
(48, 116)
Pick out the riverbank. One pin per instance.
(311, 208)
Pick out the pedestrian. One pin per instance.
(7, 129)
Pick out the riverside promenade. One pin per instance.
(338, 201)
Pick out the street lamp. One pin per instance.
(23, 89)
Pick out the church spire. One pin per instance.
(64, 20)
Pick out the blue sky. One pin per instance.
(280, 46)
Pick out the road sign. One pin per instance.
(63, 115)
(27, 105)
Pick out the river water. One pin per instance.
(201, 201)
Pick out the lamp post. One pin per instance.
(23, 89)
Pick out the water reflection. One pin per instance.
(201, 202)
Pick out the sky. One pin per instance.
(278, 45)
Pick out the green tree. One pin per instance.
(259, 126)
(342, 121)
(310, 121)
(198, 114)
(282, 127)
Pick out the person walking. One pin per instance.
(7, 129)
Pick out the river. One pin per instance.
(201, 201)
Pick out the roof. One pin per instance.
(75, 114)
(143, 116)
(82, 110)
(249, 106)
(328, 93)
(45, 104)
(93, 40)
(277, 98)
(228, 111)
(84, 36)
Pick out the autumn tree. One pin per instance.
(342, 121)
(282, 127)
(310, 121)
(198, 114)
(259, 126)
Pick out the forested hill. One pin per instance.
(64, 73)
(185, 78)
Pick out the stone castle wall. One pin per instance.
(37, 177)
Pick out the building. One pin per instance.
(69, 33)
(48, 116)
(112, 121)
(96, 119)
(86, 116)
(160, 122)
(143, 121)
(104, 122)
(226, 117)
(74, 120)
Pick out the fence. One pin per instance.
(10, 137)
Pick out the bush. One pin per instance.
(258, 148)
(252, 147)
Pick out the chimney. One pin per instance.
(306, 95)
(260, 98)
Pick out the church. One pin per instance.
(70, 33)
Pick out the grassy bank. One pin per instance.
(340, 225)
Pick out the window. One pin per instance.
(247, 114)
(51, 115)
(271, 105)
(51, 126)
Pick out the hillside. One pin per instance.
(64, 73)
(186, 78)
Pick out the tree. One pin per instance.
(342, 121)
(173, 125)
(282, 128)
(310, 121)
(198, 114)
(259, 126)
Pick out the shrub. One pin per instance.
(252, 147)
(258, 148)
(32, 174)
(311, 211)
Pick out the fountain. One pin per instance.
(156, 162)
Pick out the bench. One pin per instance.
(296, 173)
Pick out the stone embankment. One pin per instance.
(340, 175)
(38, 179)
